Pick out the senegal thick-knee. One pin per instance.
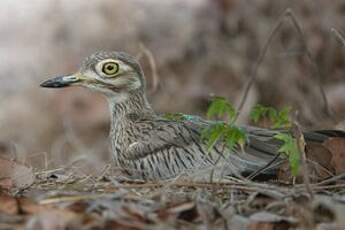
(148, 146)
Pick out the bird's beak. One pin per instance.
(62, 81)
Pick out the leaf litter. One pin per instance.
(63, 199)
(14, 175)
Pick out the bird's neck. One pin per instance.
(122, 108)
(123, 105)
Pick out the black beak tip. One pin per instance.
(45, 84)
(54, 83)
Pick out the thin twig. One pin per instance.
(332, 179)
(338, 35)
(290, 15)
(327, 187)
(297, 133)
(153, 66)
(259, 171)
(75, 198)
(263, 52)
(251, 187)
(315, 69)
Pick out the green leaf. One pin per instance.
(272, 113)
(257, 113)
(234, 135)
(213, 134)
(282, 120)
(290, 148)
(229, 133)
(279, 118)
(220, 107)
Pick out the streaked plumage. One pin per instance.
(148, 146)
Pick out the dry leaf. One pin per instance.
(185, 211)
(6, 183)
(53, 219)
(270, 217)
(28, 206)
(336, 146)
(8, 205)
(238, 222)
(261, 226)
(320, 165)
(319, 162)
(114, 224)
(267, 221)
(11, 205)
(15, 175)
(135, 215)
(78, 206)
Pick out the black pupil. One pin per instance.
(110, 67)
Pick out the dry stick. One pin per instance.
(153, 66)
(315, 69)
(338, 35)
(189, 184)
(259, 171)
(334, 186)
(287, 13)
(253, 76)
(332, 179)
(297, 133)
(76, 198)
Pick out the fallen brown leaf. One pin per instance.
(28, 206)
(319, 164)
(185, 211)
(261, 226)
(269, 221)
(12, 205)
(114, 224)
(54, 219)
(78, 207)
(264, 216)
(8, 205)
(6, 183)
(15, 175)
(135, 215)
(336, 146)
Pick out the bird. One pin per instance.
(146, 145)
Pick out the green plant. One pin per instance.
(290, 148)
(279, 118)
(220, 107)
(226, 131)
(233, 135)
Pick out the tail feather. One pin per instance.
(323, 135)
(263, 145)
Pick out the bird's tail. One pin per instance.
(261, 153)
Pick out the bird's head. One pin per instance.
(111, 73)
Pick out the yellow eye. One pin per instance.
(110, 68)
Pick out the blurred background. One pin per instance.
(200, 48)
